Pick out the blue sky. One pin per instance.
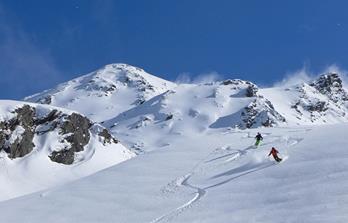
(43, 43)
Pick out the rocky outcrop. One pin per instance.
(251, 90)
(16, 137)
(76, 127)
(260, 113)
(2, 139)
(108, 139)
(331, 85)
(75, 130)
(247, 89)
(17, 133)
(63, 156)
(229, 82)
(324, 96)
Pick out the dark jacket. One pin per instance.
(259, 137)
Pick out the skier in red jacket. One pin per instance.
(274, 153)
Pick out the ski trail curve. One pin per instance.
(199, 193)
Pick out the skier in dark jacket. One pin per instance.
(274, 153)
(258, 138)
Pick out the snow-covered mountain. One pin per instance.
(121, 88)
(43, 146)
(131, 102)
(198, 161)
(104, 93)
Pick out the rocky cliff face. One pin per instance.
(322, 96)
(331, 86)
(246, 88)
(16, 134)
(260, 112)
(27, 125)
(75, 129)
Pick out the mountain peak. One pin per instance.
(328, 81)
(114, 88)
(122, 66)
(131, 76)
(117, 68)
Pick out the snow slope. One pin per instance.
(104, 93)
(23, 173)
(213, 177)
(191, 108)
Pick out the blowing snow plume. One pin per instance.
(187, 78)
(305, 75)
(297, 77)
(341, 72)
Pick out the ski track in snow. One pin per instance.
(184, 182)
(231, 156)
(200, 192)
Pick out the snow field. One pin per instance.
(219, 177)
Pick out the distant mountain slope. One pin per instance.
(43, 146)
(105, 93)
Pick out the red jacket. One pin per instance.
(273, 152)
